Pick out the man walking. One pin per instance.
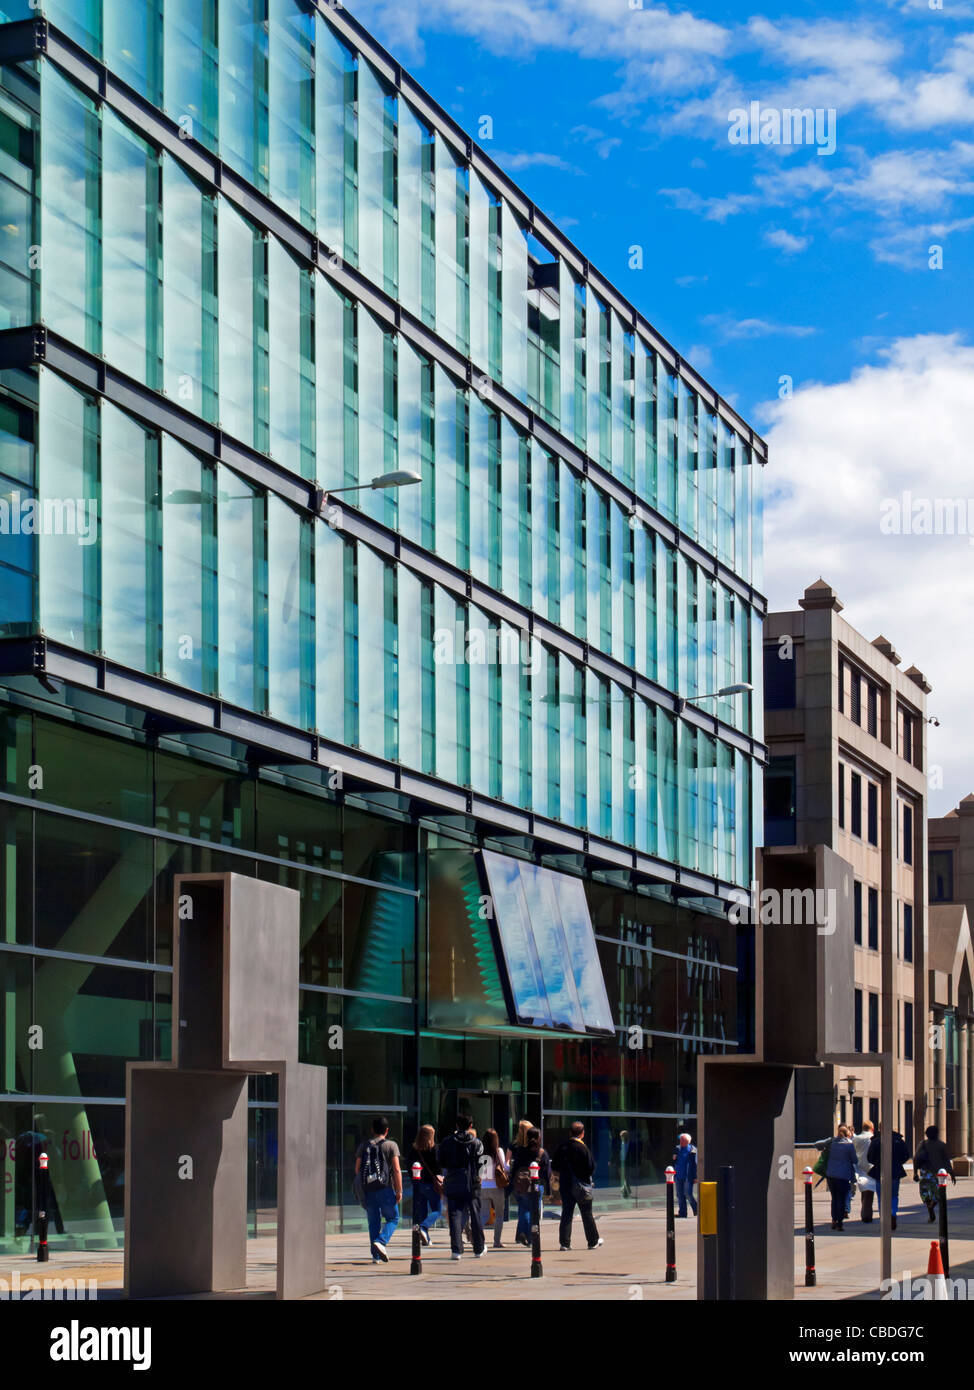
(378, 1182)
(574, 1164)
(685, 1163)
(460, 1156)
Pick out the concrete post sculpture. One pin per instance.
(235, 1011)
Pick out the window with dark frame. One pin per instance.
(872, 940)
(941, 875)
(908, 932)
(907, 1034)
(872, 707)
(855, 711)
(857, 912)
(872, 813)
(907, 834)
(841, 796)
(873, 1022)
(856, 788)
(858, 1020)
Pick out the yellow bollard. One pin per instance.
(708, 1208)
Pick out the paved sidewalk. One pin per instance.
(630, 1265)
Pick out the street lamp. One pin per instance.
(741, 689)
(399, 477)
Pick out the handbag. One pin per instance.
(583, 1191)
(501, 1175)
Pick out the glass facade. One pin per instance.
(356, 294)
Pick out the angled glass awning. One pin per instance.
(547, 947)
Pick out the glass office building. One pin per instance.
(245, 260)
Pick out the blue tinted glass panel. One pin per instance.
(517, 941)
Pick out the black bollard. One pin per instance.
(809, 1231)
(537, 1269)
(670, 1228)
(944, 1244)
(43, 1198)
(416, 1263)
(726, 1237)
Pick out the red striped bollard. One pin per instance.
(537, 1269)
(942, 1177)
(43, 1197)
(416, 1263)
(670, 1227)
(808, 1174)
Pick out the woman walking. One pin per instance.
(840, 1173)
(524, 1154)
(427, 1203)
(930, 1157)
(493, 1182)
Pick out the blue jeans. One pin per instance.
(684, 1194)
(427, 1205)
(382, 1210)
(895, 1204)
(525, 1213)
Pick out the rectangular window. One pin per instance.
(907, 834)
(843, 668)
(873, 938)
(941, 876)
(874, 1110)
(873, 1022)
(872, 794)
(855, 703)
(857, 912)
(908, 932)
(841, 796)
(872, 710)
(129, 541)
(858, 1021)
(779, 802)
(908, 1041)
(779, 679)
(856, 786)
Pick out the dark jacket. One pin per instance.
(522, 1158)
(932, 1155)
(427, 1160)
(573, 1159)
(900, 1154)
(459, 1157)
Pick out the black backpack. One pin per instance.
(375, 1165)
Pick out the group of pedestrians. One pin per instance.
(476, 1178)
(854, 1161)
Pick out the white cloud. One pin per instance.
(837, 451)
(532, 159)
(736, 330)
(923, 179)
(596, 28)
(785, 241)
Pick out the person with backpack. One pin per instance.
(930, 1157)
(874, 1157)
(378, 1183)
(526, 1152)
(460, 1156)
(575, 1166)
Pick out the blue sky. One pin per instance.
(767, 261)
